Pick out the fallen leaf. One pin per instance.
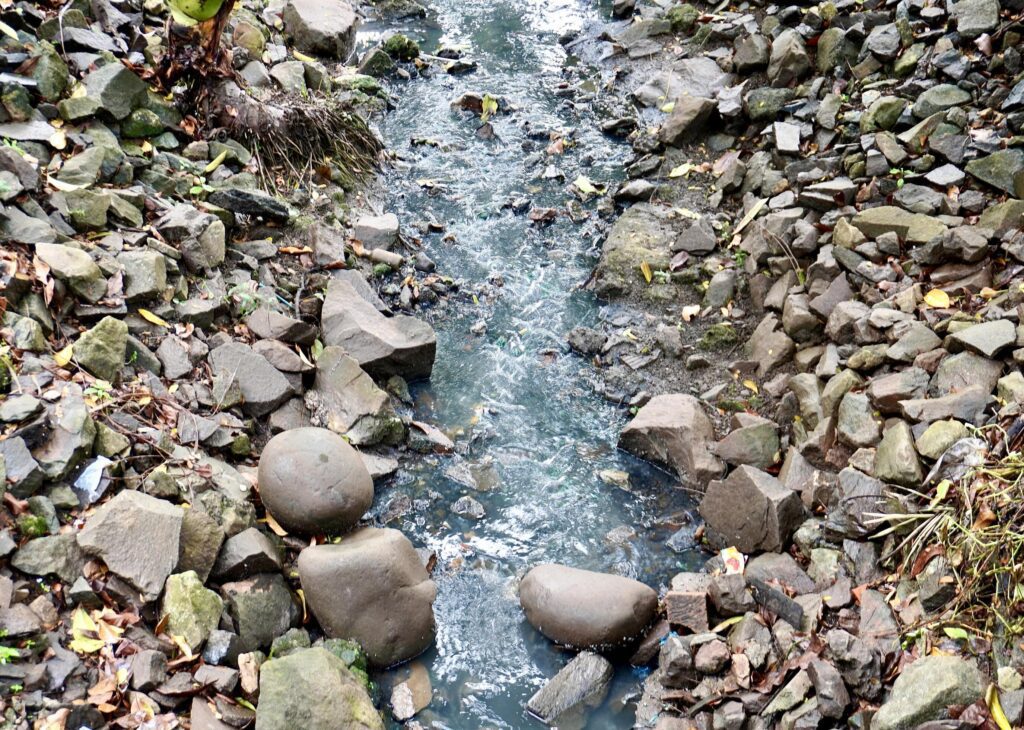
(216, 162)
(751, 214)
(645, 269)
(956, 633)
(63, 357)
(996, 709)
(152, 318)
(585, 186)
(690, 311)
(751, 386)
(937, 298)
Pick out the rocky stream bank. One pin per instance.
(230, 497)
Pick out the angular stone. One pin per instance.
(967, 405)
(674, 430)
(581, 685)
(245, 554)
(1003, 170)
(101, 350)
(262, 608)
(687, 119)
(896, 460)
(856, 424)
(912, 227)
(584, 609)
(51, 555)
(315, 690)
(751, 510)
(927, 687)
(789, 60)
(75, 267)
(116, 89)
(988, 338)
(321, 27)
(753, 440)
(371, 588)
(347, 401)
(263, 387)
(190, 610)
(137, 536)
(383, 346)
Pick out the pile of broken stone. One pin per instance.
(874, 156)
(163, 315)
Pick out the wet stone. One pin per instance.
(581, 685)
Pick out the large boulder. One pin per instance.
(674, 430)
(347, 401)
(323, 27)
(383, 346)
(585, 609)
(314, 690)
(751, 510)
(925, 689)
(137, 536)
(312, 481)
(372, 588)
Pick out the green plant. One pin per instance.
(8, 653)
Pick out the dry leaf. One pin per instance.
(63, 357)
(937, 298)
(690, 311)
(645, 269)
(152, 318)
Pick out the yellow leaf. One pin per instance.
(751, 386)
(585, 186)
(276, 526)
(58, 140)
(687, 213)
(645, 269)
(63, 357)
(941, 490)
(152, 318)
(996, 709)
(303, 57)
(988, 293)
(751, 214)
(302, 597)
(937, 298)
(85, 645)
(727, 623)
(8, 31)
(216, 162)
(668, 108)
(82, 621)
(690, 311)
(685, 169)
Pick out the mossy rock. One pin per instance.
(719, 337)
(401, 48)
(683, 17)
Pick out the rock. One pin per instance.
(262, 608)
(252, 202)
(115, 89)
(753, 440)
(137, 536)
(149, 669)
(200, 542)
(939, 98)
(371, 588)
(884, 41)
(383, 346)
(324, 27)
(412, 694)
(584, 609)
(270, 325)
(57, 555)
(896, 460)
(927, 687)
(312, 481)
(291, 77)
(579, 686)
(75, 267)
(312, 688)
(245, 554)
(752, 53)
(829, 688)
(988, 338)
(1003, 170)
(23, 475)
(856, 424)
(145, 274)
(199, 236)
(674, 430)
(789, 60)
(687, 119)
(377, 231)
(189, 609)
(101, 350)
(912, 227)
(750, 510)
(263, 387)
(347, 401)
(974, 17)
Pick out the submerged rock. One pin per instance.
(579, 686)
(585, 609)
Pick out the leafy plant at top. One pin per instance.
(490, 108)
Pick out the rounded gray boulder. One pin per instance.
(584, 609)
(372, 588)
(311, 480)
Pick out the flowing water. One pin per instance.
(532, 434)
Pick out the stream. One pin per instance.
(532, 434)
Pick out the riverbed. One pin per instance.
(535, 441)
